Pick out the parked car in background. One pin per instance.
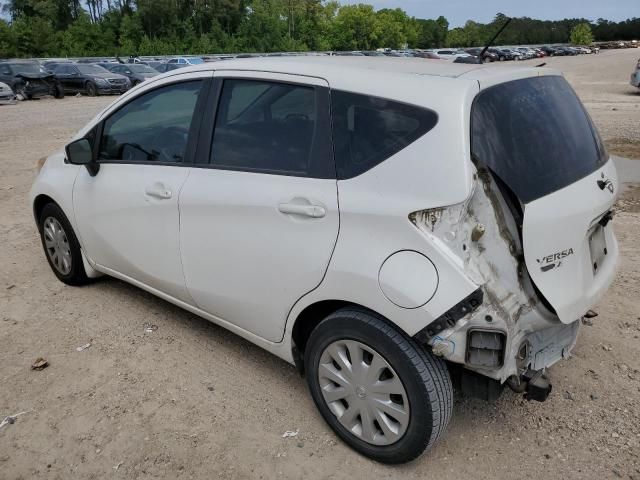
(51, 65)
(373, 53)
(549, 51)
(6, 93)
(487, 57)
(135, 72)
(27, 79)
(184, 61)
(428, 55)
(450, 54)
(167, 67)
(107, 65)
(155, 64)
(526, 52)
(509, 54)
(501, 56)
(565, 51)
(91, 79)
(635, 76)
(539, 52)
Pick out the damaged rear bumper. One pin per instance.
(470, 334)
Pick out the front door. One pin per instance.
(127, 214)
(259, 221)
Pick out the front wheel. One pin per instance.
(61, 246)
(380, 391)
(92, 90)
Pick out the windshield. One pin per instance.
(195, 60)
(91, 69)
(26, 68)
(141, 69)
(535, 135)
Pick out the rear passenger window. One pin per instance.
(368, 130)
(267, 127)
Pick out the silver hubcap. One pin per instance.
(57, 245)
(363, 392)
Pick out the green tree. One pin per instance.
(34, 37)
(396, 29)
(7, 41)
(355, 27)
(131, 33)
(581, 34)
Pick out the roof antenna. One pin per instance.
(480, 58)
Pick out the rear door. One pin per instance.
(259, 218)
(535, 135)
(63, 74)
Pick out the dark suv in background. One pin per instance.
(135, 72)
(90, 79)
(29, 80)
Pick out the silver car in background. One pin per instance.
(6, 94)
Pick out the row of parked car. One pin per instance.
(493, 54)
(28, 78)
(100, 76)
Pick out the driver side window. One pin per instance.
(153, 127)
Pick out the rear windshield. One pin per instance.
(535, 135)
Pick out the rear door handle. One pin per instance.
(158, 190)
(313, 211)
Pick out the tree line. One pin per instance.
(60, 28)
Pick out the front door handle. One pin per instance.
(308, 210)
(158, 190)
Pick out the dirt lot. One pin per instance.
(190, 400)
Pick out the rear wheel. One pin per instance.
(380, 391)
(61, 246)
(91, 89)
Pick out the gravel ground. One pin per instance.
(190, 400)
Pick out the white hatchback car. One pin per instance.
(375, 221)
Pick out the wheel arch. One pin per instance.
(39, 203)
(309, 318)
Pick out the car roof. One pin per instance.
(332, 67)
(337, 70)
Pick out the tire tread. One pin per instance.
(432, 375)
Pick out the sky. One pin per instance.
(483, 11)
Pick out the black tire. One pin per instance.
(425, 378)
(76, 275)
(58, 91)
(91, 89)
(502, 59)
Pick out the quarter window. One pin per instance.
(368, 130)
(153, 127)
(267, 127)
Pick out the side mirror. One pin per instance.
(79, 153)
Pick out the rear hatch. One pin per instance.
(536, 137)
